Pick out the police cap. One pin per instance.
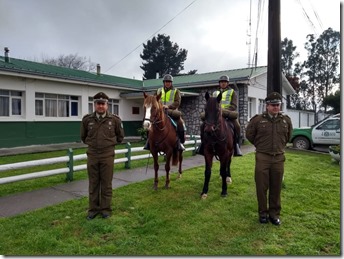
(100, 97)
(273, 97)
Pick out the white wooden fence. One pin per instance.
(191, 145)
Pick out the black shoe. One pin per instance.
(91, 216)
(263, 220)
(105, 216)
(275, 221)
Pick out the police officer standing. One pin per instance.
(101, 131)
(269, 133)
(171, 99)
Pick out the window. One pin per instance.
(56, 105)
(330, 125)
(113, 105)
(262, 106)
(11, 103)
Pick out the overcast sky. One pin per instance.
(214, 32)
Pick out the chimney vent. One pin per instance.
(98, 69)
(7, 58)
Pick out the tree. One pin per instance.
(288, 54)
(71, 61)
(333, 100)
(321, 67)
(162, 56)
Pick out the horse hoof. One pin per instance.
(224, 195)
(228, 180)
(204, 196)
(179, 176)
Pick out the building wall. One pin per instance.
(29, 129)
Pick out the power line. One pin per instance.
(151, 36)
(307, 17)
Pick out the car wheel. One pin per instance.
(301, 143)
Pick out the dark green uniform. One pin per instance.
(269, 136)
(101, 136)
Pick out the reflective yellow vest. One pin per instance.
(167, 98)
(226, 97)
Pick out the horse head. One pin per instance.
(152, 110)
(212, 113)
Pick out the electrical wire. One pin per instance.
(151, 36)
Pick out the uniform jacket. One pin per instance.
(170, 97)
(229, 98)
(269, 135)
(101, 135)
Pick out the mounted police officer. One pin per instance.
(171, 99)
(229, 111)
(101, 131)
(269, 133)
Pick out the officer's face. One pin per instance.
(223, 84)
(167, 84)
(273, 108)
(101, 107)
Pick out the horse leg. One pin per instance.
(167, 169)
(156, 169)
(228, 172)
(207, 174)
(223, 173)
(180, 154)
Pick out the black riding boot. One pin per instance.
(147, 147)
(200, 149)
(237, 151)
(181, 140)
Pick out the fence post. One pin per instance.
(128, 155)
(70, 164)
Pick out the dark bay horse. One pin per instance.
(162, 137)
(217, 137)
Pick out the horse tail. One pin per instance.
(175, 156)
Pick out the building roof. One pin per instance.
(211, 78)
(50, 72)
(39, 69)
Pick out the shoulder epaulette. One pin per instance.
(87, 115)
(254, 117)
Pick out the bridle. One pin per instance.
(216, 127)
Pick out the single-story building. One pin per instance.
(44, 104)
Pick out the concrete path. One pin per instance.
(28, 201)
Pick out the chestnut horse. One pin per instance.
(162, 137)
(217, 138)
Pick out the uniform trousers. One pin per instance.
(100, 174)
(269, 172)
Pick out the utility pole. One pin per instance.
(274, 48)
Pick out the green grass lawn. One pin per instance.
(177, 222)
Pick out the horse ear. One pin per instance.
(158, 96)
(219, 97)
(145, 95)
(207, 95)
